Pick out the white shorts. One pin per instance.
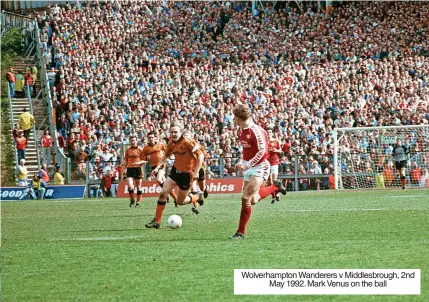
(274, 169)
(22, 182)
(262, 170)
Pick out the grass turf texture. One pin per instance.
(99, 250)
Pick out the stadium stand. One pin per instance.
(121, 68)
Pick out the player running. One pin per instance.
(400, 153)
(201, 181)
(274, 160)
(254, 165)
(133, 161)
(183, 173)
(153, 152)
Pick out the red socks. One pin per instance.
(267, 191)
(244, 219)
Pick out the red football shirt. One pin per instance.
(255, 144)
(273, 157)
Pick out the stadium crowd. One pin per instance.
(121, 68)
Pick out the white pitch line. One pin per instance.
(336, 210)
(407, 196)
(100, 238)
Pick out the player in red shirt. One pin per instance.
(254, 165)
(274, 160)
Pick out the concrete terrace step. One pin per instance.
(39, 112)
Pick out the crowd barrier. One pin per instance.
(214, 186)
(52, 192)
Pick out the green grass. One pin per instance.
(98, 250)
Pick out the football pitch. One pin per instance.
(99, 250)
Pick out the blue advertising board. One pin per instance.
(52, 192)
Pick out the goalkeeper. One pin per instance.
(400, 154)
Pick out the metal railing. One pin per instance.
(60, 158)
(15, 151)
(36, 145)
(10, 20)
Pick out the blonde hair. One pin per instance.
(242, 112)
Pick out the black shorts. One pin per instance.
(135, 173)
(400, 164)
(182, 179)
(201, 174)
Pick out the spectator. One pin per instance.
(79, 173)
(15, 132)
(81, 156)
(64, 126)
(416, 174)
(316, 168)
(58, 177)
(34, 72)
(52, 74)
(21, 145)
(44, 38)
(26, 121)
(106, 183)
(22, 174)
(325, 181)
(29, 82)
(116, 174)
(389, 178)
(94, 189)
(10, 77)
(43, 173)
(46, 142)
(61, 141)
(424, 182)
(19, 84)
(37, 187)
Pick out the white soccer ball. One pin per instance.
(174, 222)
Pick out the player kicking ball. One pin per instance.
(187, 163)
(254, 166)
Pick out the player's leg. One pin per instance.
(168, 186)
(160, 177)
(130, 185)
(403, 178)
(139, 192)
(270, 182)
(400, 167)
(251, 189)
(274, 172)
(185, 196)
(202, 183)
(262, 171)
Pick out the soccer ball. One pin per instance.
(174, 222)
